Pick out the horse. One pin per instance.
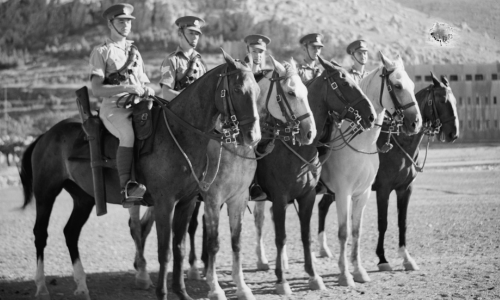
(230, 186)
(171, 172)
(290, 172)
(398, 169)
(351, 170)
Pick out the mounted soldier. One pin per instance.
(117, 69)
(358, 51)
(183, 66)
(256, 50)
(311, 45)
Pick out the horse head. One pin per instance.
(345, 97)
(440, 110)
(399, 95)
(242, 87)
(294, 106)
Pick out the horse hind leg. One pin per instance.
(260, 250)
(403, 200)
(193, 272)
(139, 230)
(323, 207)
(344, 216)
(83, 204)
(45, 196)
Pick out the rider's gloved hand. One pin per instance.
(148, 92)
(135, 89)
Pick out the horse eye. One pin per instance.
(291, 93)
(237, 90)
(398, 86)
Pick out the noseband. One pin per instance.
(433, 126)
(398, 115)
(230, 123)
(275, 127)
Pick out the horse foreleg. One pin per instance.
(358, 207)
(306, 205)
(403, 201)
(182, 216)
(164, 210)
(323, 207)
(193, 225)
(343, 203)
(236, 211)
(279, 216)
(136, 224)
(382, 210)
(211, 222)
(260, 250)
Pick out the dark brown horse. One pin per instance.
(166, 172)
(397, 168)
(290, 172)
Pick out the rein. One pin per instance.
(275, 128)
(229, 133)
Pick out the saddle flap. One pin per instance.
(142, 120)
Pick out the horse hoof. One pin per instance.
(410, 265)
(217, 295)
(316, 283)
(143, 284)
(361, 277)
(262, 266)
(325, 252)
(82, 294)
(385, 267)
(42, 297)
(283, 289)
(346, 281)
(193, 274)
(245, 295)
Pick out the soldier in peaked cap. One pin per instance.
(358, 51)
(311, 46)
(116, 68)
(256, 48)
(183, 66)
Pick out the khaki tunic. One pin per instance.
(357, 75)
(307, 73)
(175, 66)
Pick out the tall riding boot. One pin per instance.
(132, 190)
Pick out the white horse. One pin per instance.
(231, 184)
(350, 171)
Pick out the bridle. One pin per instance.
(432, 127)
(275, 128)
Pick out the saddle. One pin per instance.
(144, 122)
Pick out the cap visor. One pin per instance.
(124, 17)
(317, 44)
(261, 47)
(194, 28)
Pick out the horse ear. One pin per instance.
(326, 64)
(249, 60)
(388, 64)
(278, 66)
(228, 58)
(435, 81)
(445, 80)
(335, 63)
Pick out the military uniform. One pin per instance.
(257, 41)
(120, 64)
(358, 45)
(177, 69)
(308, 71)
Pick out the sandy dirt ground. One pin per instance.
(453, 234)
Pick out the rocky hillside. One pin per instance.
(49, 25)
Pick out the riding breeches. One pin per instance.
(118, 121)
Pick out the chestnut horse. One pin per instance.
(230, 186)
(171, 173)
(290, 172)
(350, 171)
(398, 167)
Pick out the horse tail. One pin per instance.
(26, 173)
